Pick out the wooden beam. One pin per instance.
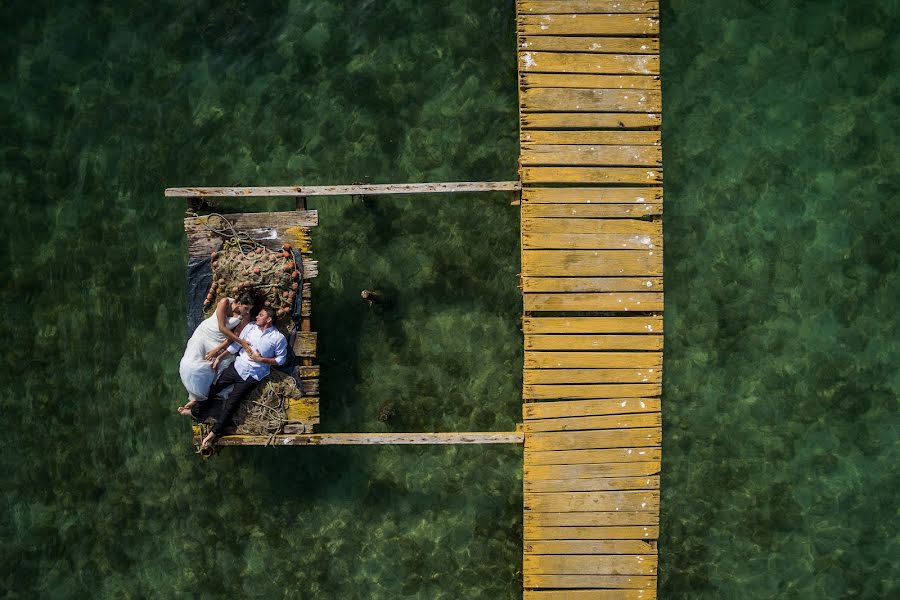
(348, 190)
(323, 439)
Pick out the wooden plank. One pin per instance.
(600, 390)
(304, 409)
(569, 154)
(590, 594)
(590, 581)
(611, 138)
(593, 302)
(322, 439)
(545, 376)
(305, 343)
(589, 100)
(527, 7)
(568, 80)
(592, 471)
(593, 342)
(649, 324)
(579, 62)
(586, 440)
(310, 270)
(592, 226)
(347, 190)
(310, 387)
(598, 484)
(591, 423)
(643, 500)
(603, 546)
(592, 360)
(589, 519)
(572, 457)
(624, 25)
(308, 371)
(590, 241)
(595, 211)
(269, 229)
(612, 45)
(595, 263)
(588, 408)
(591, 564)
(532, 285)
(592, 195)
(604, 175)
(597, 120)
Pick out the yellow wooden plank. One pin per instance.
(590, 241)
(561, 376)
(588, 408)
(589, 595)
(596, 263)
(593, 302)
(304, 410)
(574, 564)
(622, 421)
(593, 342)
(593, 501)
(573, 457)
(625, 25)
(590, 519)
(305, 344)
(592, 195)
(590, 581)
(589, 100)
(630, 324)
(586, 440)
(612, 45)
(579, 62)
(597, 484)
(592, 360)
(571, 154)
(595, 226)
(532, 285)
(591, 471)
(591, 210)
(605, 175)
(568, 80)
(604, 546)
(597, 120)
(604, 390)
(612, 138)
(528, 7)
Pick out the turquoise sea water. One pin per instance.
(782, 245)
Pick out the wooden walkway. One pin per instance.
(591, 172)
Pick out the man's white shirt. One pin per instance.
(269, 343)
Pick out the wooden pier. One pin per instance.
(591, 207)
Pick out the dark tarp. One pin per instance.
(199, 278)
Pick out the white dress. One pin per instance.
(197, 374)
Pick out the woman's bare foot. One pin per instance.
(186, 409)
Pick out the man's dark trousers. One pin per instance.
(230, 405)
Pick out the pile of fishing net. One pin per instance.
(264, 412)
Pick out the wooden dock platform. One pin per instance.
(591, 207)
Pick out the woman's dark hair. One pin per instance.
(248, 299)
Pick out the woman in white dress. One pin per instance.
(202, 360)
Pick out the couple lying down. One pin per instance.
(230, 348)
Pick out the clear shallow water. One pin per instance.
(781, 238)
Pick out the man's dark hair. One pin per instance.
(269, 311)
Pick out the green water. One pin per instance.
(781, 386)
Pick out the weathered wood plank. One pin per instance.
(652, 324)
(600, 390)
(561, 376)
(592, 226)
(595, 211)
(578, 62)
(590, 594)
(593, 302)
(593, 501)
(304, 409)
(270, 229)
(593, 342)
(589, 519)
(534, 285)
(587, 440)
(308, 372)
(585, 25)
(573, 564)
(593, 360)
(347, 190)
(593, 195)
(574, 457)
(588, 408)
(305, 343)
(568, 80)
(591, 423)
(589, 100)
(549, 7)
(592, 471)
(596, 138)
(322, 439)
(597, 484)
(590, 581)
(595, 263)
(597, 120)
(544, 154)
(590, 241)
(601, 546)
(604, 175)
(310, 270)
(611, 45)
